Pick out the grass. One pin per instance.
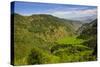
(70, 40)
(72, 51)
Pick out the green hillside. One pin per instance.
(46, 39)
(89, 32)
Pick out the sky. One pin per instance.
(66, 11)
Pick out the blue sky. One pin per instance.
(66, 11)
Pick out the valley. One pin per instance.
(46, 39)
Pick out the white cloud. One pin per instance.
(75, 14)
(89, 11)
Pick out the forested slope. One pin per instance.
(42, 38)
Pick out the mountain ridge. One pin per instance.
(47, 39)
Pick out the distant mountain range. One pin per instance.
(87, 19)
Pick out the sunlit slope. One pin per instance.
(37, 30)
(42, 38)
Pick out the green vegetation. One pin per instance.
(89, 33)
(45, 39)
(38, 56)
(70, 40)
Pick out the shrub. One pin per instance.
(38, 56)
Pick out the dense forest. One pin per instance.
(46, 39)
